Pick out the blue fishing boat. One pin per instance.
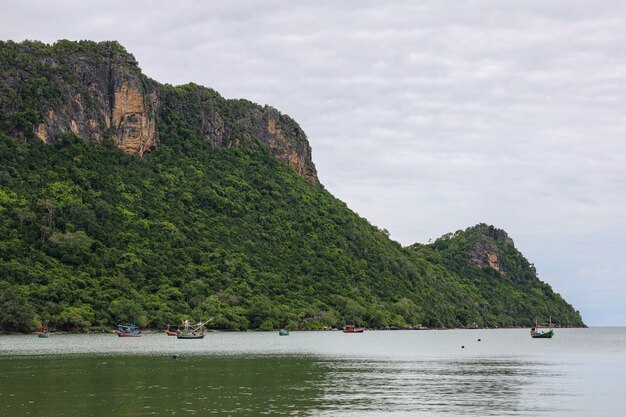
(43, 332)
(283, 332)
(127, 330)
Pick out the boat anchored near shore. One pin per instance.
(536, 333)
(43, 332)
(192, 331)
(127, 330)
(353, 329)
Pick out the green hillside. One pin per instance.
(486, 258)
(218, 219)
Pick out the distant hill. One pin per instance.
(123, 199)
(486, 258)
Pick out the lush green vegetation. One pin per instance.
(90, 236)
(510, 289)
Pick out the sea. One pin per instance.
(482, 372)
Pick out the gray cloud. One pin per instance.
(425, 117)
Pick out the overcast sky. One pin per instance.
(424, 117)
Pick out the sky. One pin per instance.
(424, 117)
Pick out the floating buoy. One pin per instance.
(462, 347)
(479, 340)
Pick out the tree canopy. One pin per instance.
(90, 236)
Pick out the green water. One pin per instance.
(580, 372)
(142, 386)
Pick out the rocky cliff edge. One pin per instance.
(96, 91)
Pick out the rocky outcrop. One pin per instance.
(133, 124)
(97, 92)
(124, 118)
(484, 254)
(486, 250)
(285, 139)
(213, 129)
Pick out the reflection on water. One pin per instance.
(246, 386)
(578, 373)
(469, 387)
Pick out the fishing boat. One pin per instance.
(283, 332)
(190, 336)
(127, 330)
(172, 330)
(192, 331)
(537, 333)
(353, 329)
(43, 332)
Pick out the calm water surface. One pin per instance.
(581, 372)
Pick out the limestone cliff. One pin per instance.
(97, 91)
(284, 138)
(485, 252)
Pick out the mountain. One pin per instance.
(485, 257)
(97, 92)
(123, 199)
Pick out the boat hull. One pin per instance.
(121, 334)
(42, 336)
(547, 335)
(190, 336)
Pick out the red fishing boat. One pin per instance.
(172, 330)
(353, 329)
(43, 332)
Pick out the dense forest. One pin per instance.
(91, 236)
(485, 257)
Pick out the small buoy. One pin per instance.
(462, 347)
(479, 340)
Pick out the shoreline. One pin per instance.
(154, 331)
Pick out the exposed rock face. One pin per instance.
(213, 128)
(134, 125)
(102, 97)
(226, 123)
(100, 93)
(284, 138)
(485, 255)
(486, 252)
